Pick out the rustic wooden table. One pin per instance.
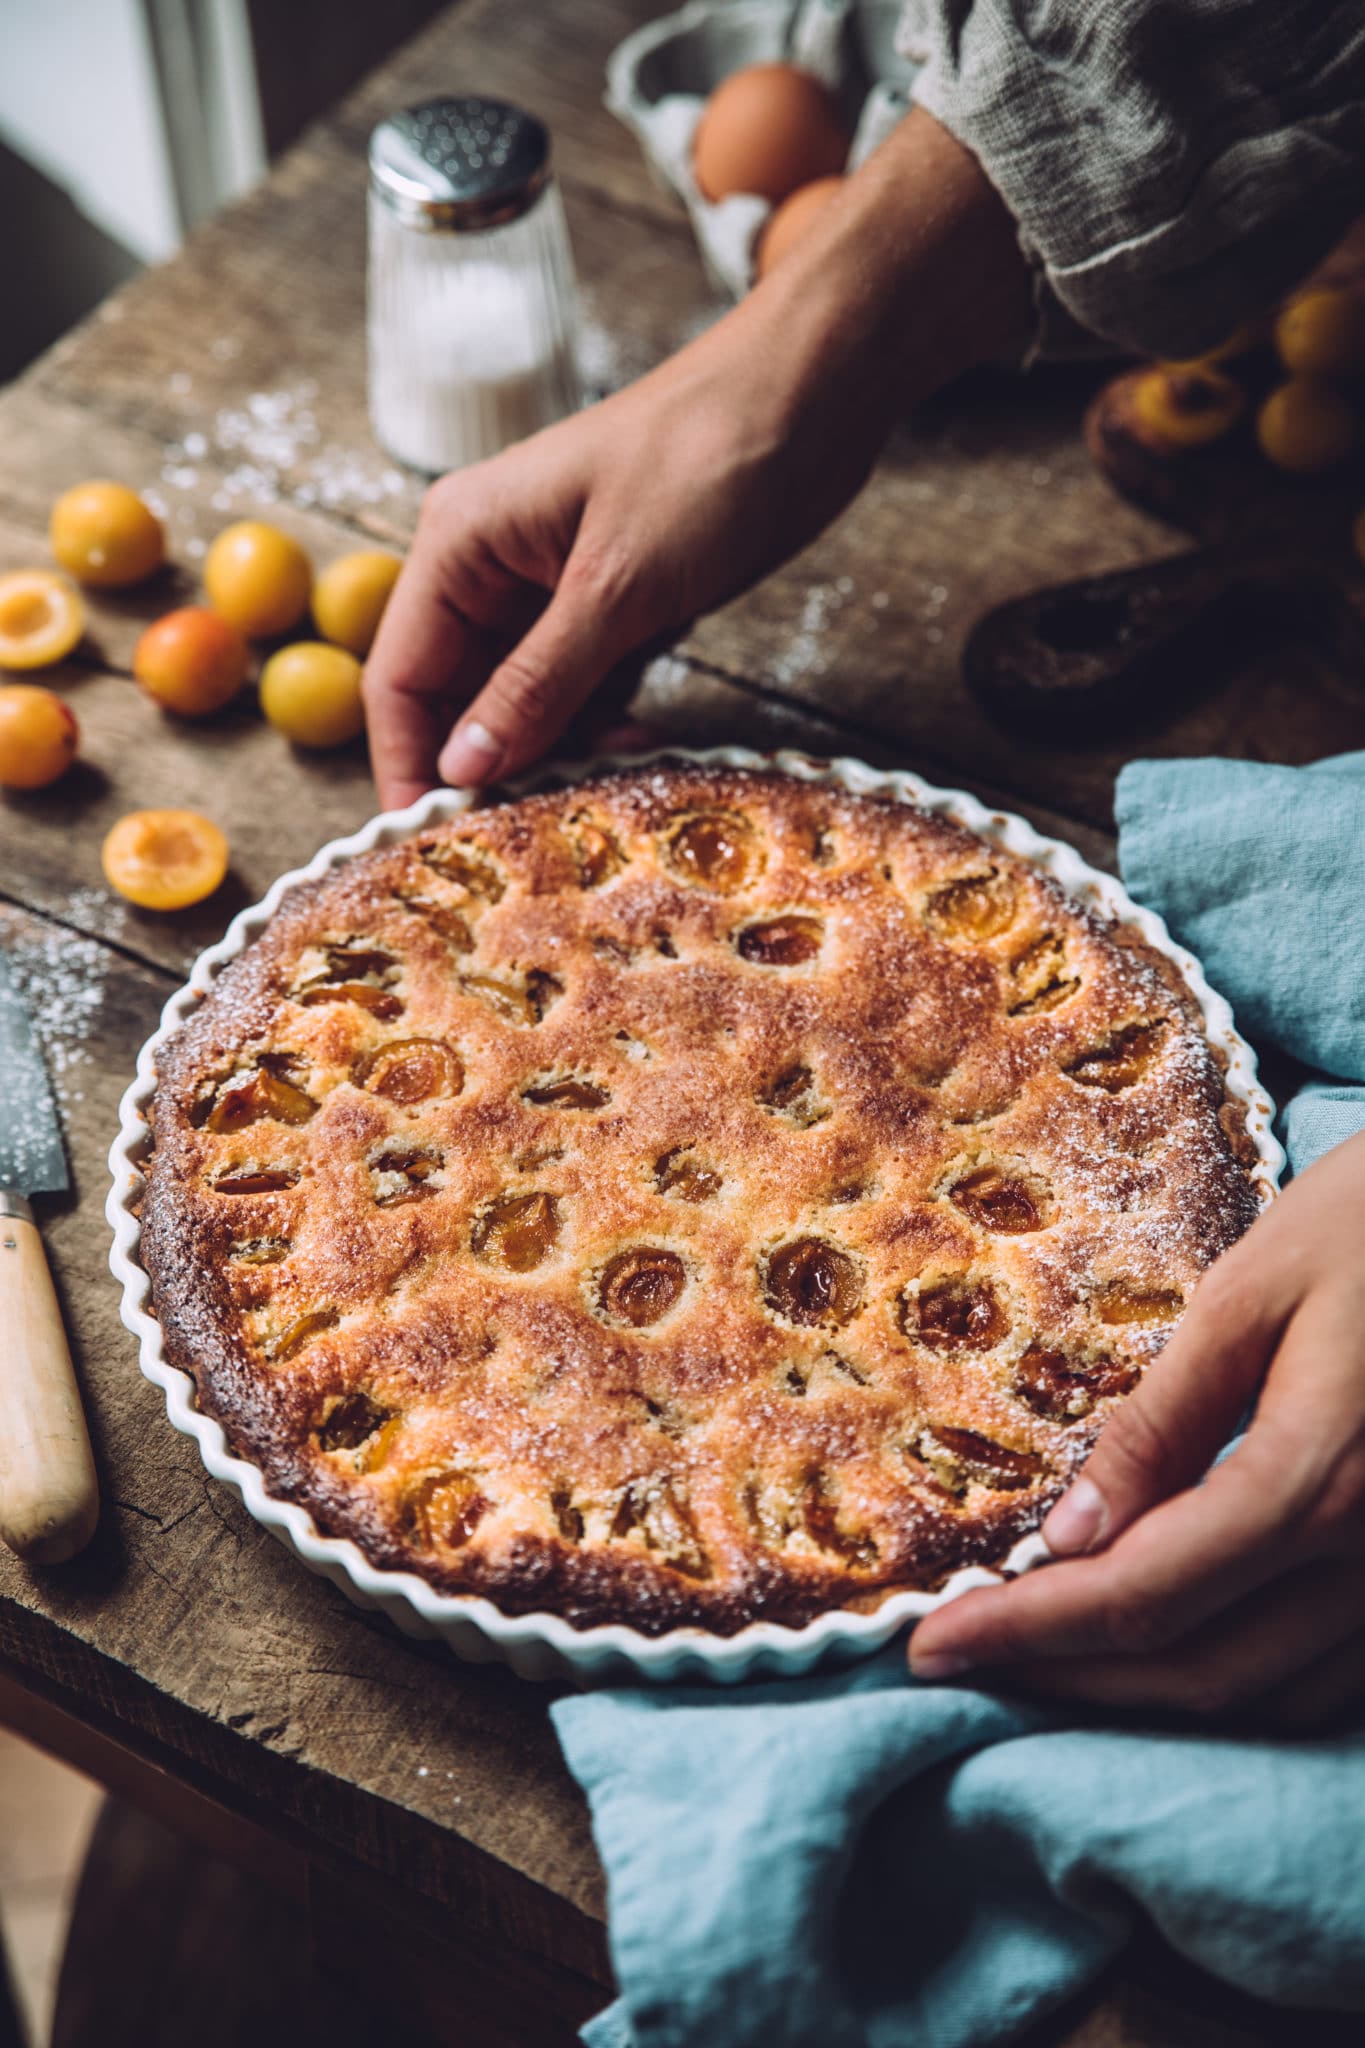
(410, 1804)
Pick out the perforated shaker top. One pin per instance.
(460, 163)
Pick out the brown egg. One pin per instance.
(789, 221)
(767, 129)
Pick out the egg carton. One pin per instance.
(659, 78)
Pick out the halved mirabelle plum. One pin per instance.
(311, 692)
(38, 736)
(192, 662)
(258, 579)
(1187, 407)
(103, 534)
(41, 618)
(350, 595)
(164, 860)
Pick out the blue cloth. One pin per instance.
(860, 1861)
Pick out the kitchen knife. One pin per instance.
(49, 1501)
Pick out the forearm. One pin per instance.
(909, 276)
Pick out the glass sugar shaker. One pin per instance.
(472, 302)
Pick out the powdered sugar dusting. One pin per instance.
(60, 976)
(272, 448)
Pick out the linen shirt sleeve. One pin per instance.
(1174, 165)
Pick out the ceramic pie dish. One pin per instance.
(644, 1270)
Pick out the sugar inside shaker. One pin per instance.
(472, 302)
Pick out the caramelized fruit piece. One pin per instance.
(41, 618)
(855, 1546)
(570, 1093)
(403, 1175)
(542, 989)
(1138, 1305)
(975, 907)
(379, 1002)
(260, 1251)
(781, 941)
(682, 1173)
(713, 849)
(502, 997)
(164, 860)
(38, 736)
(254, 1180)
(812, 1281)
(568, 1518)
(350, 1422)
(1122, 1060)
(363, 975)
(101, 533)
(443, 918)
(1040, 977)
(469, 867)
(597, 854)
(517, 1232)
(958, 1455)
(955, 1315)
(409, 1070)
(262, 1095)
(445, 1509)
(658, 1511)
(1063, 1389)
(641, 1285)
(793, 1095)
(291, 1337)
(1006, 1203)
(258, 579)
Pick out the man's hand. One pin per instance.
(1243, 1594)
(534, 574)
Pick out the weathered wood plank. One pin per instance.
(991, 495)
(187, 1621)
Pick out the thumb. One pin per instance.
(534, 692)
(1167, 1433)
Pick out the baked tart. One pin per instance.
(695, 1196)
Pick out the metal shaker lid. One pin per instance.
(458, 164)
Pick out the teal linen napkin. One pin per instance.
(860, 1861)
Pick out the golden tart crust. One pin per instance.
(695, 1196)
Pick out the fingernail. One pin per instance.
(471, 754)
(933, 1664)
(1077, 1521)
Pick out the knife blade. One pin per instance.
(32, 1156)
(49, 1497)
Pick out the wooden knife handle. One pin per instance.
(49, 1497)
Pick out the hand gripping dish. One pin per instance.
(689, 1217)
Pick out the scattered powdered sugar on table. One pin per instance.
(61, 976)
(271, 449)
(804, 653)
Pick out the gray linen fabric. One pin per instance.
(1174, 165)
